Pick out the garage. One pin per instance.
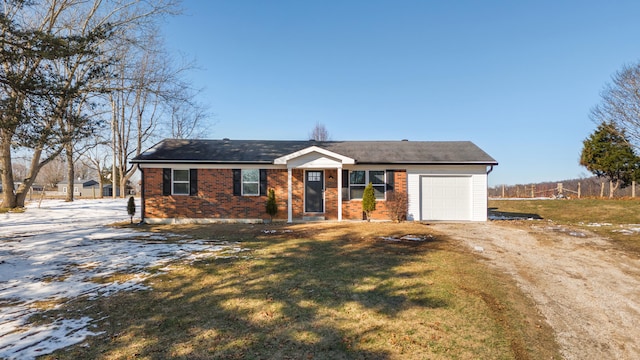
(445, 198)
(447, 193)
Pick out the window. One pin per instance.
(180, 182)
(64, 189)
(251, 182)
(359, 179)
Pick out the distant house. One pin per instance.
(107, 190)
(218, 180)
(81, 188)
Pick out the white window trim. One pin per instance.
(242, 182)
(367, 181)
(173, 181)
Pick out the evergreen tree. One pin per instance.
(272, 206)
(607, 153)
(131, 207)
(368, 201)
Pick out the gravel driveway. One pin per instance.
(588, 291)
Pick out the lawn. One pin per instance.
(618, 220)
(319, 291)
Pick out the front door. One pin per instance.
(313, 191)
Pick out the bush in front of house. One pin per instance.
(131, 207)
(368, 201)
(397, 205)
(272, 206)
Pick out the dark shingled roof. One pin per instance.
(363, 152)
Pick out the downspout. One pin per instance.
(488, 172)
(141, 194)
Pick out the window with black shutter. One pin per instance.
(193, 182)
(166, 182)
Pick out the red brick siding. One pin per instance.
(352, 209)
(215, 197)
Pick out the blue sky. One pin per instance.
(517, 78)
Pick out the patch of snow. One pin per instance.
(504, 217)
(628, 231)
(389, 238)
(408, 238)
(55, 252)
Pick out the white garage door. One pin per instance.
(445, 198)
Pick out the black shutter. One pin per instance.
(345, 184)
(391, 181)
(193, 182)
(166, 182)
(263, 182)
(237, 182)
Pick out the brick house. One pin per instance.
(227, 180)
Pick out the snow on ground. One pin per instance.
(53, 252)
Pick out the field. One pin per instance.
(618, 220)
(320, 291)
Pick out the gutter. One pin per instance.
(490, 170)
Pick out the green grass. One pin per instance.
(610, 215)
(320, 291)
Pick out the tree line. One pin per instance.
(586, 187)
(87, 81)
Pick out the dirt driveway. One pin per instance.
(588, 291)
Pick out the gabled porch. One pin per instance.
(322, 170)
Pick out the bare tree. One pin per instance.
(53, 53)
(620, 103)
(52, 173)
(95, 160)
(188, 120)
(151, 98)
(319, 133)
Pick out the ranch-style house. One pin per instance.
(228, 180)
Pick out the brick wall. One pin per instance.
(215, 197)
(352, 209)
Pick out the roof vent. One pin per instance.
(405, 139)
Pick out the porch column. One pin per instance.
(339, 193)
(289, 197)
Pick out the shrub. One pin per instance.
(397, 205)
(272, 206)
(131, 207)
(368, 201)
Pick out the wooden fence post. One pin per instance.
(578, 190)
(633, 189)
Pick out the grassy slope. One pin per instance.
(321, 291)
(610, 215)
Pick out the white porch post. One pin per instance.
(339, 193)
(289, 197)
